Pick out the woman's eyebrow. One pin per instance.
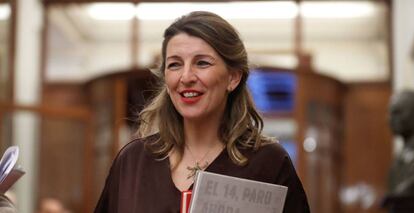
(205, 56)
(173, 57)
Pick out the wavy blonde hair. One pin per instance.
(241, 125)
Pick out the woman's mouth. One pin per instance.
(190, 97)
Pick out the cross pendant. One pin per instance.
(193, 170)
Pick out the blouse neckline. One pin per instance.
(209, 168)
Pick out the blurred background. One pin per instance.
(73, 76)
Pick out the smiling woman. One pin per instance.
(202, 119)
(197, 79)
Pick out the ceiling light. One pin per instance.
(228, 10)
(112, 11)
(337, 9)
(232, 10)
(4, 11)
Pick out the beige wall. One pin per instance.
(403, 40)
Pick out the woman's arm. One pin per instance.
(296, 201)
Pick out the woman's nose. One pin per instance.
(188, 75)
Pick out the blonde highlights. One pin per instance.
(240, 126)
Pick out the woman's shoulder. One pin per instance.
(272, 150)
(136, 146)
(269, 155)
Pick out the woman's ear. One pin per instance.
(234, 80)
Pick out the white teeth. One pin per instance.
(190, 94)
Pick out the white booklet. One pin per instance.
(9, 172)
(215, 193)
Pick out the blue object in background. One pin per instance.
(290, 147)
(272, 91)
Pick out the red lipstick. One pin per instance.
(190, 96)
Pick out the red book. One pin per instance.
(185, 201)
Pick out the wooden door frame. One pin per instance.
(81, 114)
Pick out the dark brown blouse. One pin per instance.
(139, 183)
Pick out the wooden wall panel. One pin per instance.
(368, 143)
(319, 115)
(62, 162)
(64, 94)
(65, 156)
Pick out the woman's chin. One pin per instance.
(194, 116)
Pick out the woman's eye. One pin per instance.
(203, 64)
(173, 65)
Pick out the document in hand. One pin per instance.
(215, 193)
(9, 172)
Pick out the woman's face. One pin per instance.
(197, 78)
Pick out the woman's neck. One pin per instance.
(201, 134)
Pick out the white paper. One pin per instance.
(8, 161)
(215, 193)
